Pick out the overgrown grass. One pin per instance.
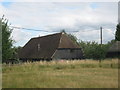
(62, 74)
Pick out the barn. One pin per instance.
(55, 46)
(114, 50)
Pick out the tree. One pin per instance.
(7, 42)
(73, 38)
(111, 42)
(93, 50)
(117, 34)
(15, 52)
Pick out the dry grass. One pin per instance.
(62, 74)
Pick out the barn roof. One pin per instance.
(47, 46)
(115, 47)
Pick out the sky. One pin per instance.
(84, 17)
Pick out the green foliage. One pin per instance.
(93, 50)
(117, 34)
(7, 42)
(111, 42)
(15, 52)
(73, 38)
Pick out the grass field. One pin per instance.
(61, 74)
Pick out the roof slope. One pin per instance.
(115, 47)
(48, 44)
(66, 42)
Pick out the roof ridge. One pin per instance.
(60, 40)
(46, 35)
(73, 42)
(69, 40)
(58, 44)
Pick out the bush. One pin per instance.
(93, 50)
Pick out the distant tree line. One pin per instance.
(92, 50)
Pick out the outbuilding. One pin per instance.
(114, 50)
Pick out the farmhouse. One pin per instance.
(114, 50)
(55, 46)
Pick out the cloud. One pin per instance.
(94, 35)
(59, 0)
(49, 16)
(20, 37)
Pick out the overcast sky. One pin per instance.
(84, 17)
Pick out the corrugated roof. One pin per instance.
(44, 47)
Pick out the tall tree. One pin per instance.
(7, 42)
(15, 52)
(117, 34)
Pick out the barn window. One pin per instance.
(38, 47)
